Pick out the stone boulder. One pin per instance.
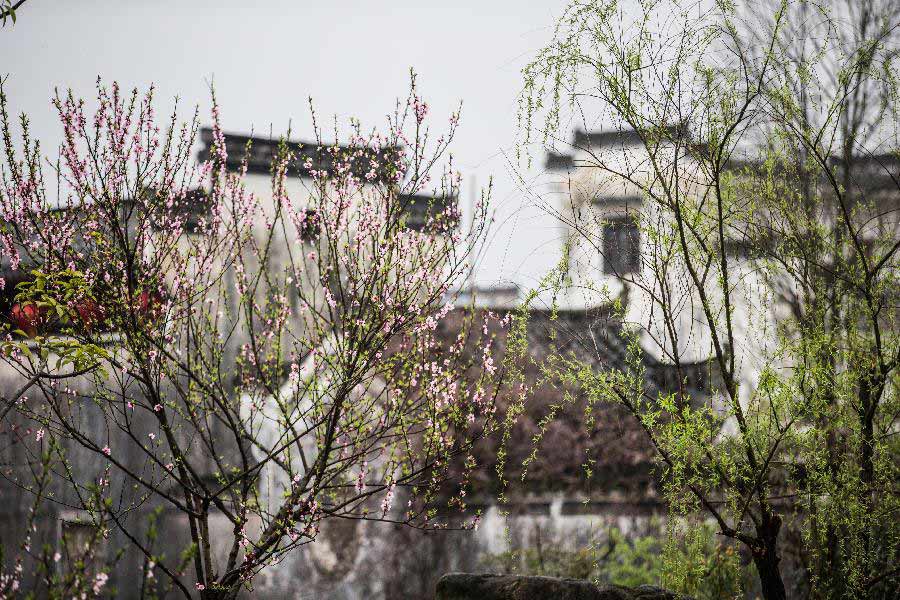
(469, 586)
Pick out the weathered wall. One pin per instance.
(361, 560)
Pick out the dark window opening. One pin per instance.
(310, 225)
(749, 248)
(82, 548)
(621, 247)
(434, 214)
(194, 206)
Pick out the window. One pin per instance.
(621, 247)
(417, 212)
(193, 206)
(309, 225)
(82, 547)
(436, 214)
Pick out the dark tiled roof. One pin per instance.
(264, 150)
(618, 137)
(559, 161)
(873, 174)
(316, 157)
(873, 177)
(597, 139)
(622, 458)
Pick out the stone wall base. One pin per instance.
(468, 586)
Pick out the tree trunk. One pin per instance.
(766, 559)
(769, 576)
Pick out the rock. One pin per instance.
(469, 586)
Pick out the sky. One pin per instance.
(266, 58)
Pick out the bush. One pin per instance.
(695, 563)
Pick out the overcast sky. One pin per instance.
(267, 57)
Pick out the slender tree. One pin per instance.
(769, 185)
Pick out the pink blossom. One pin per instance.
(100, 580)
(388, 500)
(379, 281)
(420, 107)
(361, 478)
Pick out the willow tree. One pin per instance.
(767, 167)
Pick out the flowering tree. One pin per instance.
(254, 363)
(765, 162)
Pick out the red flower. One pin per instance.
(28, 317)
(147, 305)
(90, 312)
